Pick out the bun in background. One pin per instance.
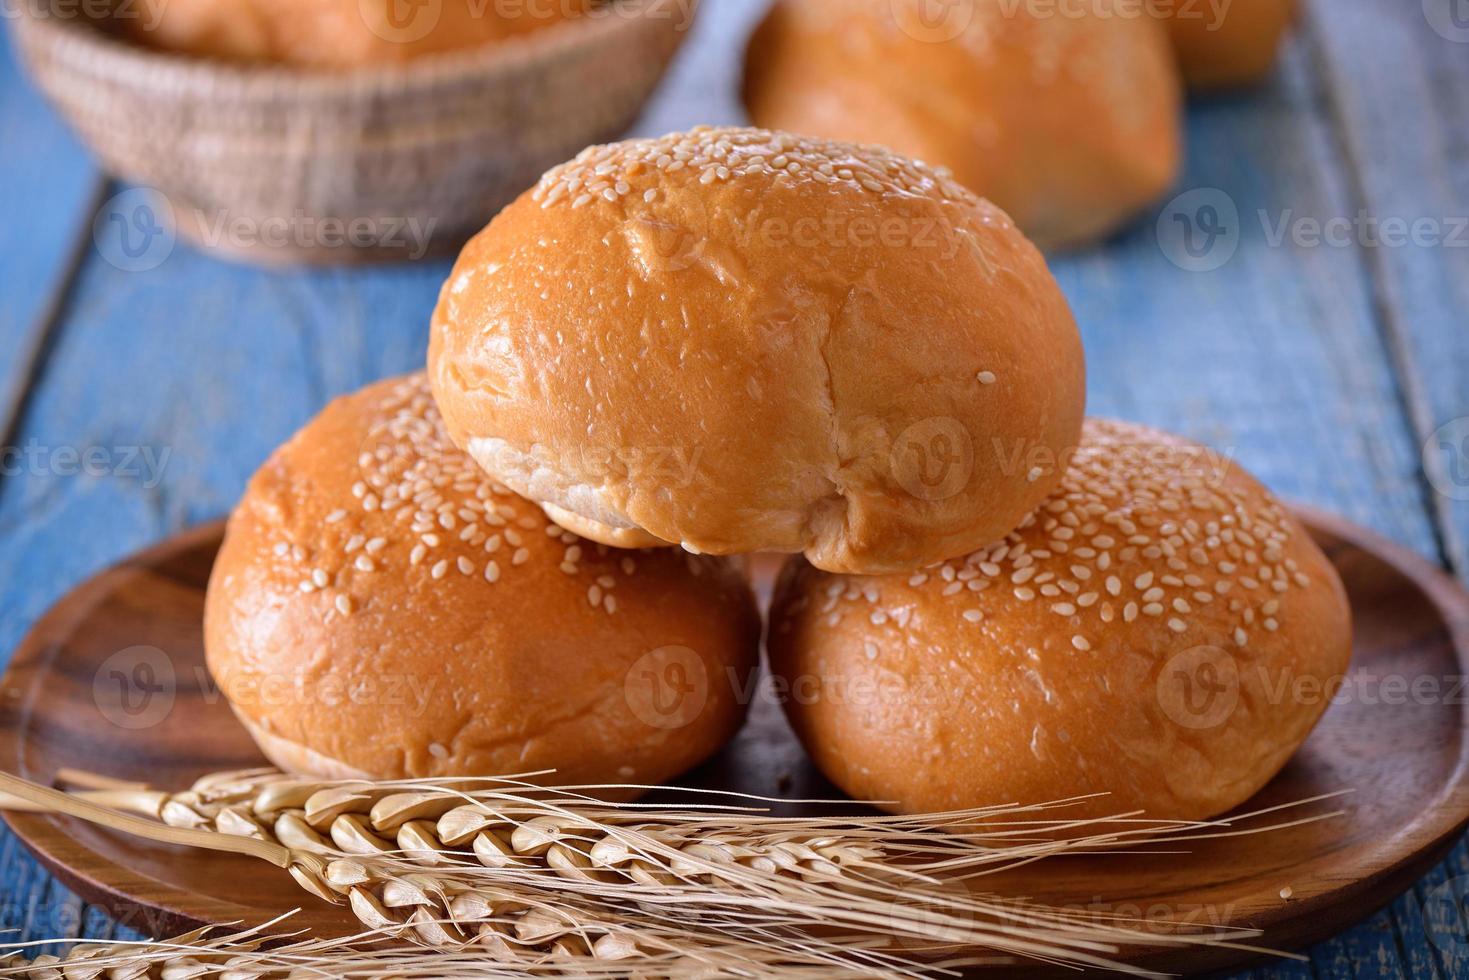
(1065, 115)
(1234, 46)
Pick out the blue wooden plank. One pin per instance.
(1395, 74)
(1275, 354)
(1398, 73)
(48, 189)
(1282, 970)
(1432, 919)
(47, 185)
(1370, 950)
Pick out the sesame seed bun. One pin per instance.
(1229, 49)
(1069, 120)
(381, 608)
(736, 341)
(1161, 630)
(332, 34)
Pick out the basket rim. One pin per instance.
(111, 58)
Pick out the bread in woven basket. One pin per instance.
(334, 34)
(288, 164)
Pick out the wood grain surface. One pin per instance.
(1324, 370)
(112, 679)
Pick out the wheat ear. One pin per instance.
(250, 955)
(438, 862)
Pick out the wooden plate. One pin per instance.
(1398, 740)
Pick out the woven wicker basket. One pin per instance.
(439, 143)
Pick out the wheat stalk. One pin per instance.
(249, 956)
(499, 863)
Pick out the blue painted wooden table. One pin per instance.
(1304, 303)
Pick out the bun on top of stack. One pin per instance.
(735, 340)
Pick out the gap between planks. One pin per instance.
(40, 338)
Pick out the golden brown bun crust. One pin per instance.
(1068, 122)
(334, 34)
(1237, 48)
(363, 635)
(737, 355)
(1152, 633)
